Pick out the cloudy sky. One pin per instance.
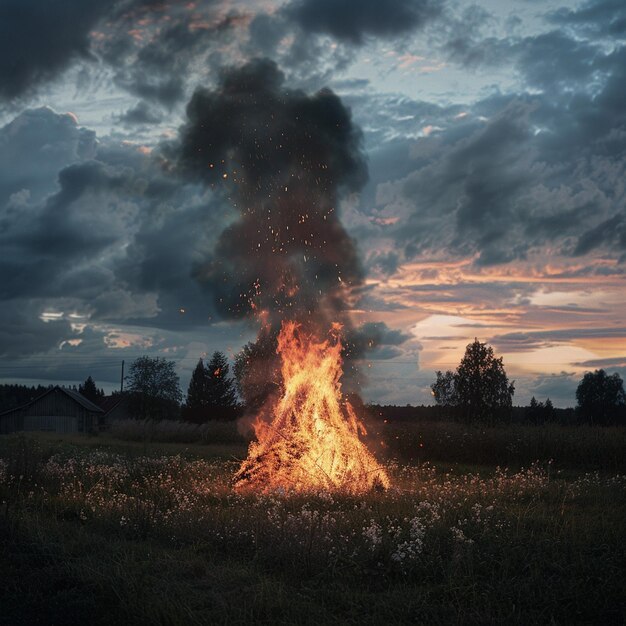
(494, 203)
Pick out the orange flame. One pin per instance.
(312, 442)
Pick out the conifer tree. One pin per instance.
(221, 394)
(89, 390)
(197, 391)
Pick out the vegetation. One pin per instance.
(12, 396)
(90, 391)
(154, 388)
(105, 533)
(540, 412)
(601, 398)
(211, 393)
(479, 389)
(257, 371)
(174, 431)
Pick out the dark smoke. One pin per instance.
(282, 158)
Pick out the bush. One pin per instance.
(172, 431)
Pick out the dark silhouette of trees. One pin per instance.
(540, 412)
(90, 391)
(444, 392)
(479, 388)
(197, 390)
(257, 371)
(601, 398)
(221, 393)
(154, 388)
(211, 393)
(12, 395)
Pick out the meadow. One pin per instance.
(509, 525)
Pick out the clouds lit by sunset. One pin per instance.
(473, 179)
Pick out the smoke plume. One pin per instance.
(282, 158)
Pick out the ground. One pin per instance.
(111, 531)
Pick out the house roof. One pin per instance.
(110, 402)
(74, 395)
(88, 404)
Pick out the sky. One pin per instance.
(482, 186)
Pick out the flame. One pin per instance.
(312, 442)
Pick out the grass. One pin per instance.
(111, 531)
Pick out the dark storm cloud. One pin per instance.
(150, 44)
(140, 115)
(618, 361)
(354, 20)
(22, 332)
(43, 243)
(560, 388)
(97, 229)
(613, 229)
(521, 171)
(524, 341)
(38, 40)
(296, 35)
(282, 158)
(61, 213)
(156, 69)
(554, 61)
(595, 18)
(34, 147)
(374, 340)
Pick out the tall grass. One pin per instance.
(102, 536)
(171, 431)
(515, 445)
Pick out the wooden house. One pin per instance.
(57, 410)
(115, 407)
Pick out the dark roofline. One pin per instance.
(88, 404)
(74, 395)
(110, 402)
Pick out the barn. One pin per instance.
(115, 407)
(58, 410)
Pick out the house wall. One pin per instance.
(54, 412)
(11, 422)
(51, 423)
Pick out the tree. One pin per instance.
(220, 388)
(257, 371)
(197, 390)
(482, 385)
(549, 411)
(540, 412)
(444, 389)
(90, 391)
(479, 387)
(154, 388)
(601, 398)
(211, 393)
(444, 392)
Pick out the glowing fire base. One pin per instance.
(312, 442)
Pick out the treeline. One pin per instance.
(517, 415)
(12, 396)
(153, 391)
(478, 391)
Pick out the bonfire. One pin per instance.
(313, 440)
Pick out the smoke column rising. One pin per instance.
(282, 157)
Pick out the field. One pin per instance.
(141, 526)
